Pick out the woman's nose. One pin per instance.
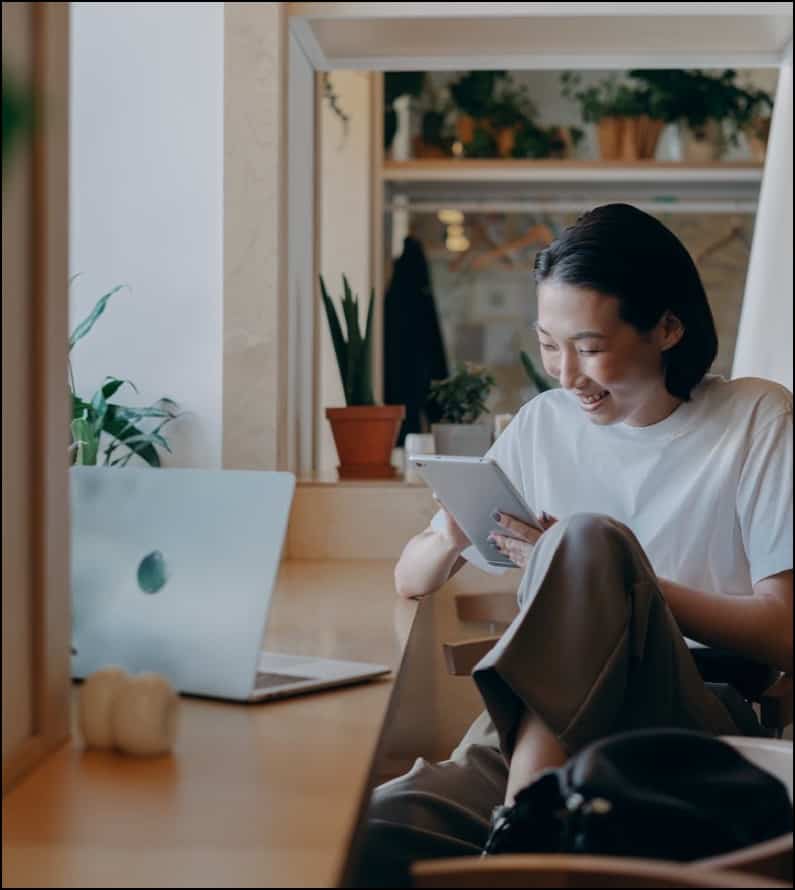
(570, 373)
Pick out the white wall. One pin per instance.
(345, 188)
(146, 208)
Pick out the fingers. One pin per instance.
(515, 525)
(517, 551)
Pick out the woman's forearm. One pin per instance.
(427, 561)
(757, 626)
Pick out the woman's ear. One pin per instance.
(670, 331)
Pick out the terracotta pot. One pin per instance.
(365, 436)
(465, 128)
(639, 137)
(506, 139)
(610, 131)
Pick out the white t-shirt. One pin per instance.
(707, 491)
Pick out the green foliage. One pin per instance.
(18, 114)
(123, 426)
(536, 377)
(608, 98)
(461, 397)
(697, 97)
(473, 92)
(354, 354)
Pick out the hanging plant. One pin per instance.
(334, 104)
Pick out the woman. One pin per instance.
(673, 491)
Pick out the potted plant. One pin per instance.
(123, 427)
(701, 103)
(461, 400)
(628, 119)
(364, 433)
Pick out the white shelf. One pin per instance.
(569, 186)
(464, 36)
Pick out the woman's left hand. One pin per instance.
(518, 545)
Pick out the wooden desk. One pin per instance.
(255, 795)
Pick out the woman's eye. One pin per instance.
(589, 351)
(548, 346)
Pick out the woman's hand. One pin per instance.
(451, 530)
(518, 545)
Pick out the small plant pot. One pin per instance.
(365, 436)
(703, 144)
(462, 439)
(465, 128)
(506, 139)
(610, 132)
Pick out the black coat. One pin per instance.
(413, 349)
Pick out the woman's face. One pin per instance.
(614, 371)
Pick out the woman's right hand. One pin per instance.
(451, 530)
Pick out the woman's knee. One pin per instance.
(597, 528)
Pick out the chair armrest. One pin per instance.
(499, 608)
(776, 703)
(549, 870)
(462, 657)
(772, 859)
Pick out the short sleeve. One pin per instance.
(764, 499)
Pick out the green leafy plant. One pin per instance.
(536, 377)
(354, 354)
(461, 397)
(473, 92)
(122, 425)
(696, 97)
(19, 114)
(609, 98)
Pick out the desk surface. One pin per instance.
(254, 795)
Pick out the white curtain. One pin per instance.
(764, 339)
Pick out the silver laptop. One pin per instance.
(173, 571)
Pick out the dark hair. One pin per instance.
(620, 251)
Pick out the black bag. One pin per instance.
(657, 794)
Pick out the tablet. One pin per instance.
(472, 489)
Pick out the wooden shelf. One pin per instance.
(470, 170)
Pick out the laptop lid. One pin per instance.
(173, 570)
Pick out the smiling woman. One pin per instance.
(671, 492)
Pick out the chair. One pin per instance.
(767, 864)
(499, 609)
(574, 871)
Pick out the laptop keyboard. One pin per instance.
(268, 681)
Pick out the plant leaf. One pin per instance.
(337, 338)
(85, 326)
(123, 430)
(112, 385)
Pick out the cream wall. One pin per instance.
(345, 195)
(146, 208)
(255, 222)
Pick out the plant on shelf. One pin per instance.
(712, 109)
(629, 116)
(364, 432)
(461, 400)
(123, 426)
